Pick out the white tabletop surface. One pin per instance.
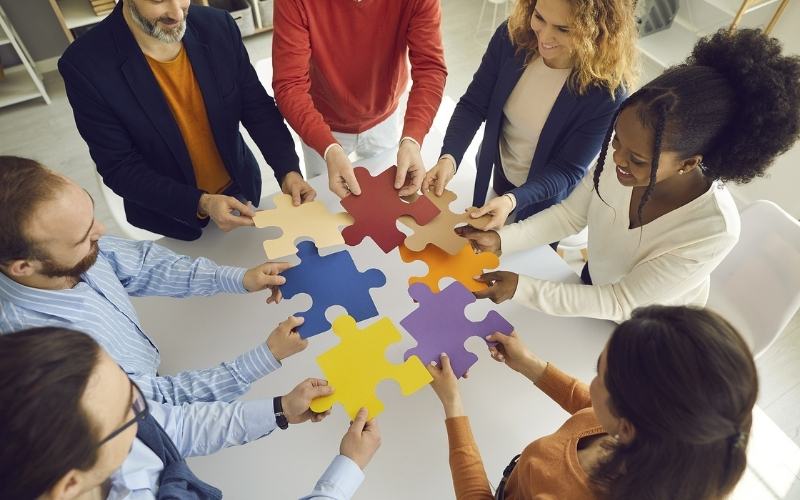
(506, 411)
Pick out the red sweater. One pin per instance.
(548, 468)
(341, 65)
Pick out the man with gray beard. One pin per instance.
(158, 96)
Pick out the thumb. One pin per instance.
(500, 338)
(360, 421)
(243, 209)
(400, 177)
(349, 177)
(320, 391)
(481, 212)
(296, 198)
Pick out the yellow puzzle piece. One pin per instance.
(309, 219)
(439, 231)
(357, 365)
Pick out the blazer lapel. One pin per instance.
(205, 73)
(556, 120)
(145, 88)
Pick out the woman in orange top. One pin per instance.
(668, 415)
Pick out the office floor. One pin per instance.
(48, 134)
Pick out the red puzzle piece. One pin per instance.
(378, 207)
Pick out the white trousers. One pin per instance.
(367, 144)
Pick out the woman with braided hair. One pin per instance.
(667, 417)
(659, 217)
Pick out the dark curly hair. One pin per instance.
(686, 380)
(735, 101)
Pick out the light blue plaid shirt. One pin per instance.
(100, 306)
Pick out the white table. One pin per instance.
(506, 411)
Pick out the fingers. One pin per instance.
(400, 176)
(349, 177)
(245, 210)
(297, 198)
(274, 267)
(360, 421)
(441, 182)
(426, 183)
(338, 187)
(496, 222)
(291, 323)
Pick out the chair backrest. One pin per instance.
(117, 209)
(757, 286)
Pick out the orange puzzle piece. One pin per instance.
(439, 231)
(462, 267)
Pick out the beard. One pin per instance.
(51, 269)
(151, 27)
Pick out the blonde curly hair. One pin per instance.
(604, 46)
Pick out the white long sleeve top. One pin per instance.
(667, 261)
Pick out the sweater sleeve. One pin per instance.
(469, 476)
(569, 392)
(556, 223)
(428, 71)
(661, 280)
(291, 53)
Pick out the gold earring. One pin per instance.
(680, 172)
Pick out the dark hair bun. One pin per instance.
(767, 82)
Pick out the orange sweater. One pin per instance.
(548, 468)
(182, 93)
(341, 65)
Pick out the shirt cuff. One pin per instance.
(340, 480)
(325, 154)
(256, 364)
(259, 418)
(231, 279)
(409, 138)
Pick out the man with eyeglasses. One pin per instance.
(57, 268)
(74, 426)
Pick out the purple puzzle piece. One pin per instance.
(439, 325)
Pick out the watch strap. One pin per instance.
(280, 417)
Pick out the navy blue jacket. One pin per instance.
(133, 138)
(177, 481)
(570, 139)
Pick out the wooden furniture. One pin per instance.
(21, 82)
(73, 14)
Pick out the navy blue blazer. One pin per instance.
(570, 139)
(133, 138)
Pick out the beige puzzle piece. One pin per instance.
(439, 231)
(309, 219)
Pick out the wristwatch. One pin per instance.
(280, 418)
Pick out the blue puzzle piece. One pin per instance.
(439, 325)
(330, 280)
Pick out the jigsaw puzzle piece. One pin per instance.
(439, 231)
(378, 207)
(439, 325)
(358, 364)
(462, 267)
(330, 280)
(307, 220)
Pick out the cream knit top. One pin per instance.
(667, 261)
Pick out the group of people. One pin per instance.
(159, 96)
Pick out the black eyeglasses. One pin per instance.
(139, 411)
